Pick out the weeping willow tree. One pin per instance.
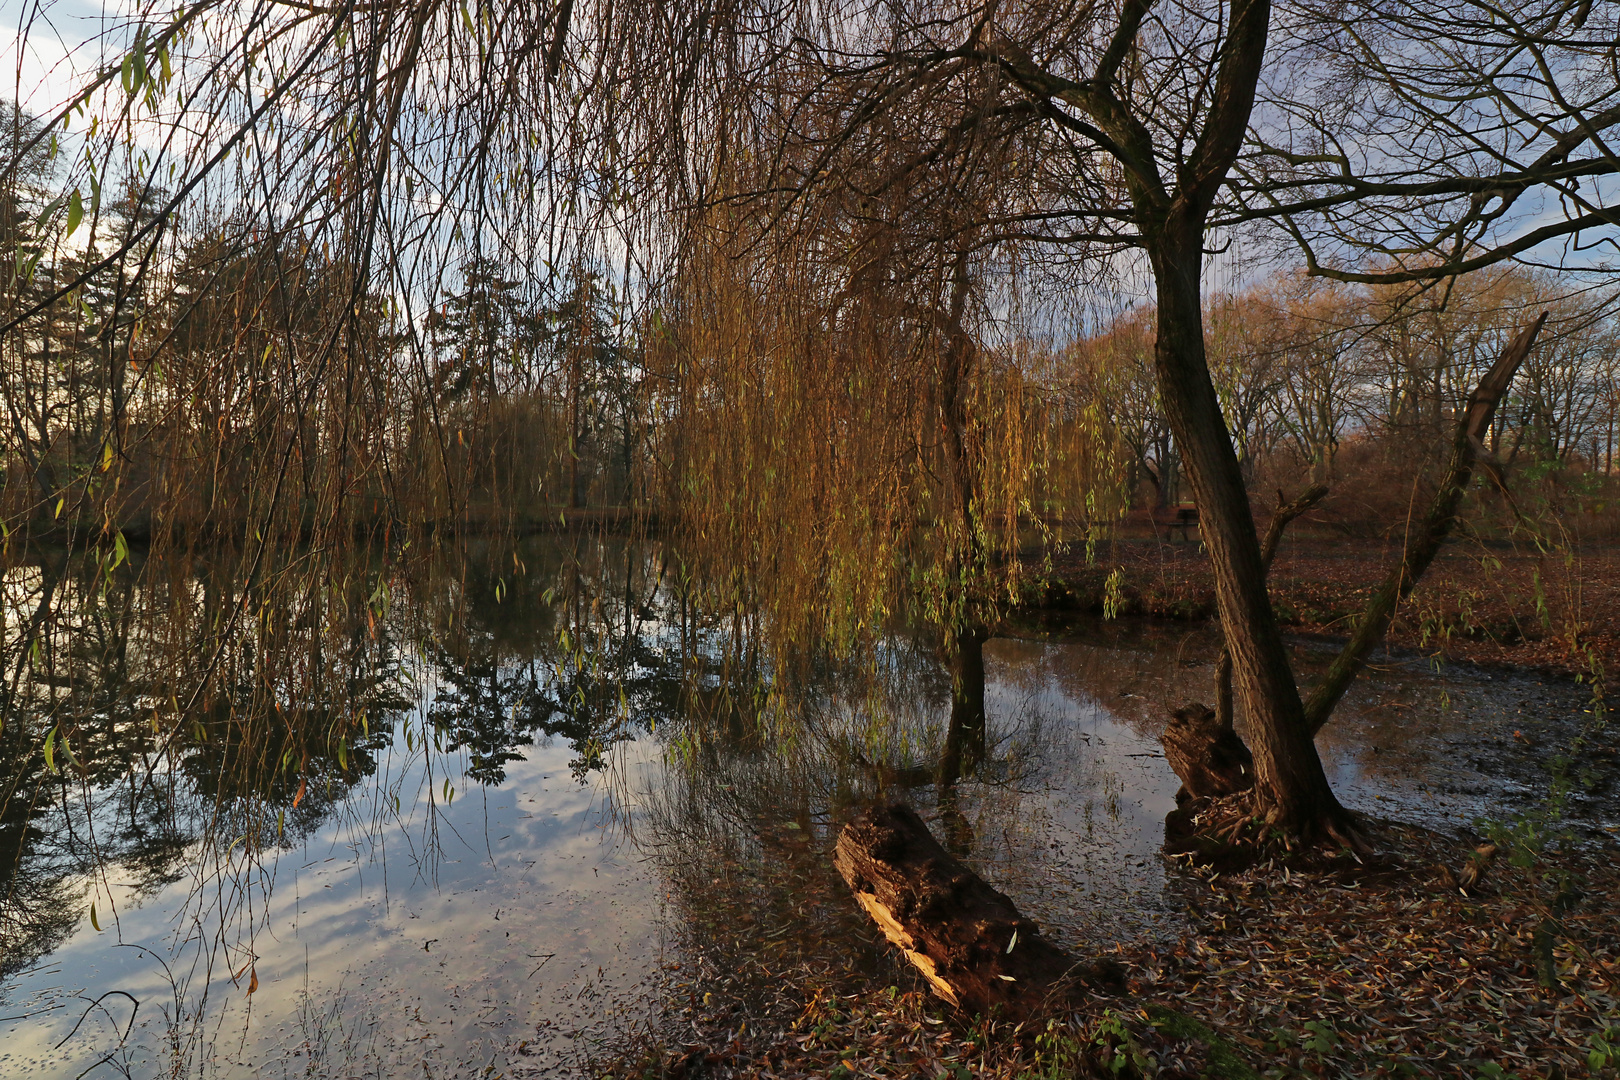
(229, 240)
(857, 414)
(1387, 148)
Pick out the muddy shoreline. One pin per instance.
(1294, 968)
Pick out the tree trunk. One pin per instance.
(1285, 513)
(968, 940)
(964, 648)
(1424, 542)
(1289, 784)
(964, 739)
(1206, 754)
(955, 379)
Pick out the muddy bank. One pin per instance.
(1283, 971)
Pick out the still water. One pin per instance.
(512, 863)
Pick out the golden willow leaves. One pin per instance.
(803, 457)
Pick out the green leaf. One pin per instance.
(50, 750)
(95, 922)
(75, 211)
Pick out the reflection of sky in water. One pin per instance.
(524, 925)
(376, 947)
(1085, 860)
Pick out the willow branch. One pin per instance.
(1466, 452)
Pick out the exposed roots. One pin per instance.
(1232, 831)
(1345, 833)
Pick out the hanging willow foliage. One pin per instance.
(806, 458)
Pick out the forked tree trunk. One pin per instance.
(1424, 541)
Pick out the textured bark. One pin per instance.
(967, 939)
(1207, 754)
(1280, 519)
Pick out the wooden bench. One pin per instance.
(1185, 519)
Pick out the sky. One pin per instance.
(48, 46)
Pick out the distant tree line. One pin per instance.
(1345, 382)
(175, 386)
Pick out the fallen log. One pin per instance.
(1207, 754)
(968, 939)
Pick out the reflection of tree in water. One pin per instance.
(559, 651)
(588, 642)
(290, 715)
(91, 779)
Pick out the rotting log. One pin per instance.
(1207, 754)
(968, 939)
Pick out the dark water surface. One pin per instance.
(504, 874)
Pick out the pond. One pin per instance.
(556, 807)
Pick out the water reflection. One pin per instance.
(504, 811)
(161, 879)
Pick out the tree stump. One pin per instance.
(967, 939)
(1207, 754)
